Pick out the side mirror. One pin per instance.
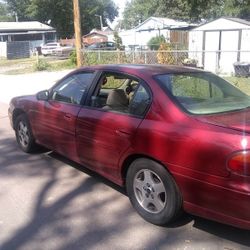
(43, 95)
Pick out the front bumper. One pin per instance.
(10, 114)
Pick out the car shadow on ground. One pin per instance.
(52, 221)
(238, 235)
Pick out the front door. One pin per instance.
(55, 120)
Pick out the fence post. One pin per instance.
(133, 56)
(217, 66)
(99, 55)
(145, 57)
(118, 56)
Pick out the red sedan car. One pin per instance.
(177, 138)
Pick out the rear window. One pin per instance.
(203, 93)
(51, 44)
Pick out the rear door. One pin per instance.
(105, 129)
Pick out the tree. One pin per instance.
(118, 40)
(237, 8)
(19, 7)
(60, 12)
(138, 11)
(4, 14)
(104, 8)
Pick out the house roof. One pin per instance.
(238, 20)
(24, 26)
(99, 32)
(95, 33)
(165, 23)
(232, 19)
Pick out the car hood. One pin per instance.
(22, 99)
(239, 120)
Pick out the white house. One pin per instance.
(34, 32)
(153, 26)
(223, 41)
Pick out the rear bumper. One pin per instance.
(215, 216)
(229, 204)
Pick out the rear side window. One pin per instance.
(194, 87)
(203, 93)
(140, 101)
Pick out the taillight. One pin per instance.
(239, 163)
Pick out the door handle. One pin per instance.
(67, 116)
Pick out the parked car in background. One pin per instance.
(47, 49)
(177, 138)
(63, 51)
(102, 46)
(56, 49)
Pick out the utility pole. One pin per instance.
(78, 35)
(100, 21)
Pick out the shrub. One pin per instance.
(72, 58)
(155, 42)
(41, 65)
(164, 54)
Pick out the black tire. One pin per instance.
(24, 136)
(153, 192)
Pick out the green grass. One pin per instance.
(5, 62)
(29, 65)
(243, 83)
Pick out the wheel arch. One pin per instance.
(127, 162)
(16, 113)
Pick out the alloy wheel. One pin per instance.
(150, 191)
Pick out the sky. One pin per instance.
(121, 5)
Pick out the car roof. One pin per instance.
(144, 69)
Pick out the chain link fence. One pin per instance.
(220, 62)
(135, 57)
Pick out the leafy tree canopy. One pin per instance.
(4, 14)
(138, 11)
(60, 13)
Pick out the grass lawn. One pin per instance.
(243, 83)
(29, 65)
(5, 62)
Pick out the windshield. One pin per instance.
(203, 93)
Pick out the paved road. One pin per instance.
(48, 202)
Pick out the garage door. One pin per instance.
(229, 42)
(211, 45)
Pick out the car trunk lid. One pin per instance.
(238, 120)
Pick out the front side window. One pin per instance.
(72, 89)
(203, 93)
